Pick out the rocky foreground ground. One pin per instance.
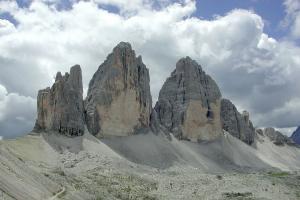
(51, 166)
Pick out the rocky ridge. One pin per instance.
(275, 136)
(235, 123)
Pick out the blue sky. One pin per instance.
(272, 11)
(242, 44)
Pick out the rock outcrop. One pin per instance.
(189, 103)
(296, 136)
(60, 108)
(118, 101)
(277, 137)
(235, 123)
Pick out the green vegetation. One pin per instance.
(115, 186)
(278, 174)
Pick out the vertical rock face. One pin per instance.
(296, 136)
(189, 103)
(235, 123)
(119, 100)
(60, 108)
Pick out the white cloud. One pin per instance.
(1, 137)
(16, 113)
(292, 19)
(6, 27)
(267, 43)
(254, 70)
(287, 131)
(3, 92)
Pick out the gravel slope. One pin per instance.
(146, 166)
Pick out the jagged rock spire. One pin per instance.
(60, 108)
(237, 124)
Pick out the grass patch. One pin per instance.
(115, 186)
(278, 174)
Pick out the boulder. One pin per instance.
(118, 101)
(60, 108)
(235, 123)
(189, 103)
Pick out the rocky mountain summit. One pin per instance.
(60, 108)
(275, 136)
(189, 103)
(235, 123)
(119, 101)
(296, 136)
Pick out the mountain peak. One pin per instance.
(124, 45)
(186, 64)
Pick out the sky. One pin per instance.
(251, 48)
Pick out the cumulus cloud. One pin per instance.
(252, 69)
(287, 131)
(292, 19)
(16, 113)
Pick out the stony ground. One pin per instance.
(176, 183)
(91, 170)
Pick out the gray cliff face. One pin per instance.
(189, 103)
(119, 100)
(235, 123)
(277, 137)
(60, 108)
